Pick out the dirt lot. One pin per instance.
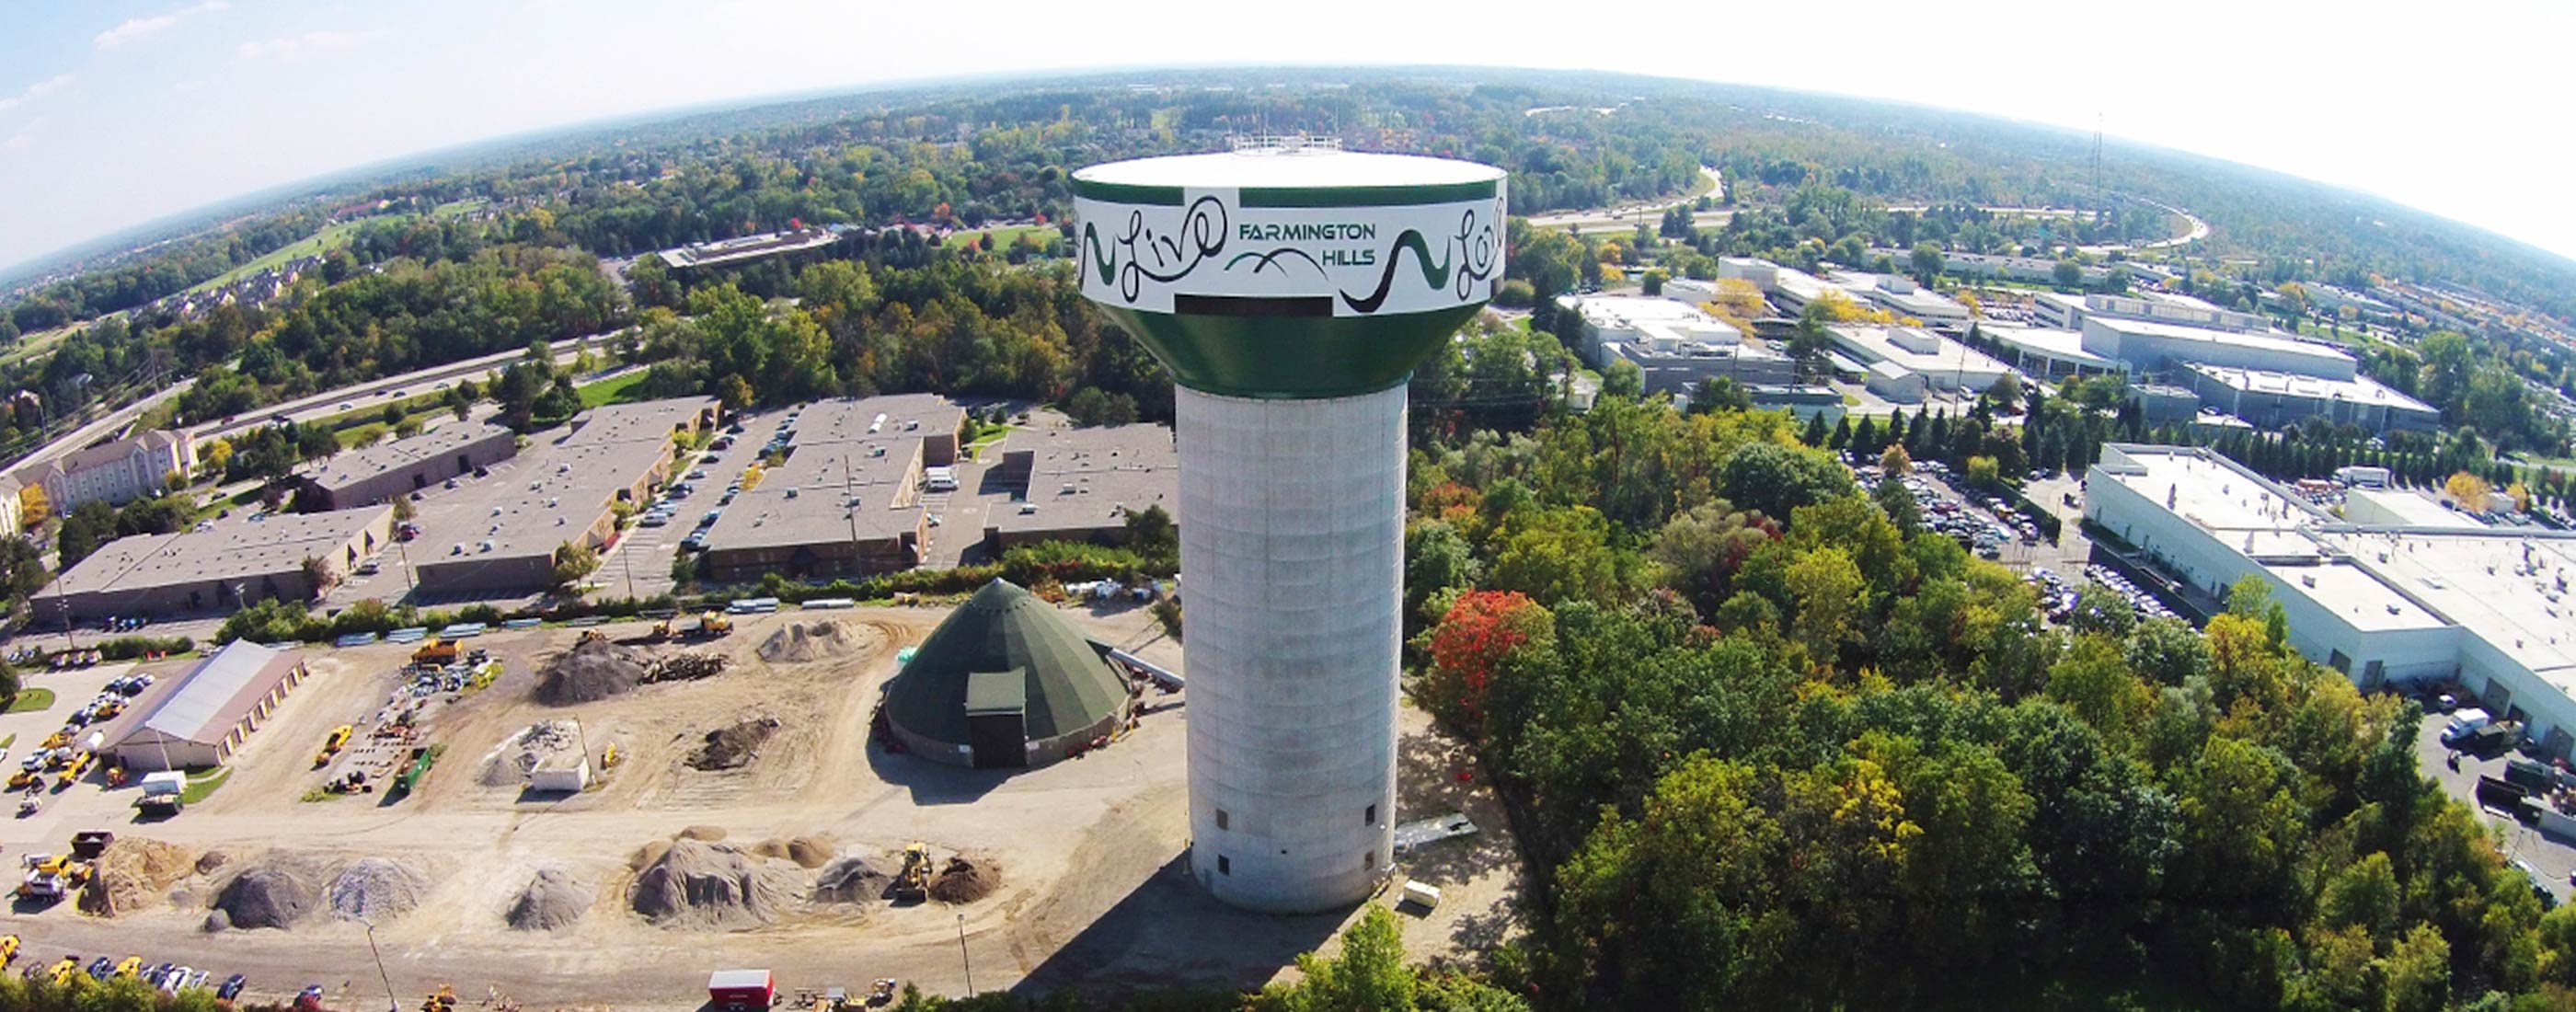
(1092, 852)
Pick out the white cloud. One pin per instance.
(34, 91)
(135, 28)
(25, 136)
(289, 47)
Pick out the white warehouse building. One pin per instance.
(2381, 602)
(2153, 346)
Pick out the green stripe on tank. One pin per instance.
(1367, 196)
(1292, 358)
(1296, 196)
(1125, 193)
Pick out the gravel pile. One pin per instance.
(271, 896)
(734, 747)
(709, 886)
(591, 671)
(375, 889)
(552, 900)
(851, 880)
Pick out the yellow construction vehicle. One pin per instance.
(608, 759)
(331, 744)
(58, 739)
(80, 763)
(593, 635)
(662, 629)
(132, 967)
(437, 653)
(22, 780)
(8, 949)
(712, 625)
(441, 1000)
(912, 884)
(62, 972)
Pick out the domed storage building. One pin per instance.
(1005, 682)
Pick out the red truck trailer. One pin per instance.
(741, 990)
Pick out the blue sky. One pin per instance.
(117, 113)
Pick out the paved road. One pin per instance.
(1626, 216)
(376, 393)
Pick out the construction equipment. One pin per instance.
(62, 972)
(8, 949)
(80, 764)
(116, 776)
(441, 1000)
(57, 739)
(912, 884)
(133, 966)
(711, 625)
(882, 993)
(593, 636)
(421, 758)
(609, 757)
(437, 653)
(331, 745)
(22, 780)
(662, 630)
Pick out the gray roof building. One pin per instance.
(401, 466)
(1080, 484)
(501, 533)
(1004, 682)
(847, 500)
(200, 716)
(219, 565)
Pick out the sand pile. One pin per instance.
(131, 872)
(591, 671)
(709, 834)
(809, 852)
(734, 747)
(551, 900)
(965, 881)
(275, 895)
(851, 880)
(374, 889)
(799, 642)
(709, 886)
(211, 860)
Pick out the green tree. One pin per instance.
(1927, 263)
(1368, 976)
(2068, 274)
(1828, 590)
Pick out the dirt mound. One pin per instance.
(815, 641)
(965, 881)
(647, 854)
(551, 900)
(211, 860)
(131, 872)
(375, 888)
(809, 852)
(734, 747)
(709, 834)
(272, 896)
(851, 880)
(709, 886)
(591, 671)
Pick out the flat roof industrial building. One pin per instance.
(1942, 363)
(501, 533)
(847, 500)
(2381, 602)
(403, 466)
(221, 565)
(2270, 399)
(198, 717)
(2153, 346)
(1081, 484)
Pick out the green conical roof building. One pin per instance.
(1005, 682)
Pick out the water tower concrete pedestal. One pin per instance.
(1291, 287)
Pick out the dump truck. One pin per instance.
(161, 792)
(436, 653)
(912, 883)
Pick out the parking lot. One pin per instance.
(2554, 860)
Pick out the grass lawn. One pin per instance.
(1002, 237)
(350, 437)
(331, 237)
(31, 700)
(38, 343)
(612, 391)
(458, 208)
(202, 785)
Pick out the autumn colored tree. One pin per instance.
(1482, 628)
(2470, 491)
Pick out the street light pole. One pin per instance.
(962, 958)
(392, 1004)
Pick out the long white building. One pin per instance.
(2382, 602)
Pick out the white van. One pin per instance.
(2464, 723)
(939, 479)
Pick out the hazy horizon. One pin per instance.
(234, 89)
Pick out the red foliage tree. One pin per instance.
(1481, 628)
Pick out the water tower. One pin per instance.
(1291, 287)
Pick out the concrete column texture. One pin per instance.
(1292, 560)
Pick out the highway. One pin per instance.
(376, 393)
(1625, 217)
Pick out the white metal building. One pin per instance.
(2382, 603)
(198, 717)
